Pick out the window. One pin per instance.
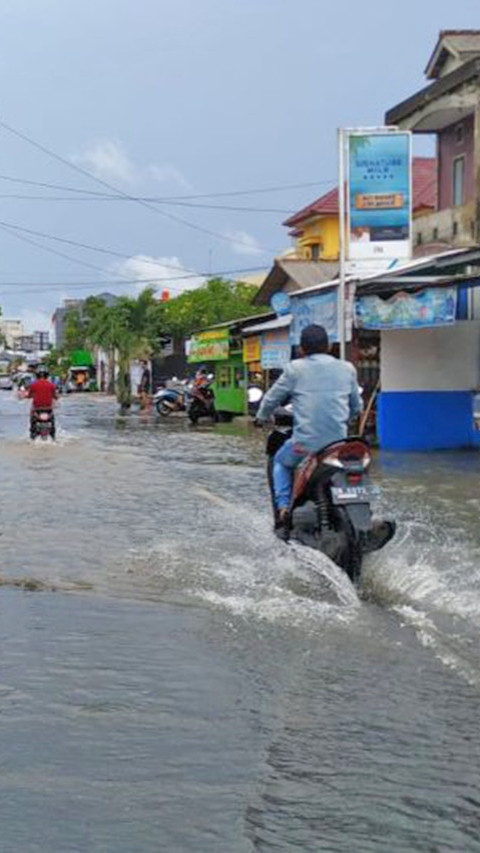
(435, 234)
(455, 229)
(223, 377)
(459, 133)
(315, 251)
(458, 180)
(239, 377)
(419, 238)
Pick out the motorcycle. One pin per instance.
(202, 402)
(168, 400)
(255, 395)
(331, 501)
(42, 424)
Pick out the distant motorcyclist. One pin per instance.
(324, 394)
(43, 394)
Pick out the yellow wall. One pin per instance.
(323, 230)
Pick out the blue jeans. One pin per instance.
(284, 463)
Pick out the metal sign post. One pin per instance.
(341, 208)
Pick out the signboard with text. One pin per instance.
(379, 202)
(209, 346)
(276, 349)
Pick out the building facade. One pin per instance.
(449, 108)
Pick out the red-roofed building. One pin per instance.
(315, 227)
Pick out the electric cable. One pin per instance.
(80, 170)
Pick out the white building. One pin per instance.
(11, 330)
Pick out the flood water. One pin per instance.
(173, 678)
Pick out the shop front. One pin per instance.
(221, 351)
(430, 368)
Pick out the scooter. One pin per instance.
(42, 424)
(331, 502)
(202, 402)
(168, 400)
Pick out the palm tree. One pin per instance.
(124, 329)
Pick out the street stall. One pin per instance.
(428, 318)
(223, 349)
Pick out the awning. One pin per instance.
(278, 323)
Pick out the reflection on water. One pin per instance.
(174, 678)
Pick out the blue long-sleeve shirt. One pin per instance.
(325, 395)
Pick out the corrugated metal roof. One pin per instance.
(279, 323)
(293, 274)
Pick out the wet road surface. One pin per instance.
(173, 678)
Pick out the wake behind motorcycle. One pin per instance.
(331, 501)
(42, 424)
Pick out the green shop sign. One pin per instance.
(209, 346)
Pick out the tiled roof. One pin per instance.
(424, 180)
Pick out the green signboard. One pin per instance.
(209, 346)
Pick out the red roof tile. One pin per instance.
(424, 181)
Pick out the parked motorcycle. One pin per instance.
(168, 400)
(202, 402)
(42, 424)
(331, 501)
(255, 395)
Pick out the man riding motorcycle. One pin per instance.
(43, 394)
(324, 394)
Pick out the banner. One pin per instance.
(433, 307)
(379, 196)
(276, 349)
(252, 348)
(322, 310)
(209, 346)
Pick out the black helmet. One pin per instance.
(41, 371)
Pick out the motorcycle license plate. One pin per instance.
(44, 417)
(354, 494)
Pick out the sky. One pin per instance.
(157, 119)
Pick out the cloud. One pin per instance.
(244, 243)
(169, 174)
(109, 161)
(163, 272)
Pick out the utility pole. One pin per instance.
(342, 230)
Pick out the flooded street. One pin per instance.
(173, 678)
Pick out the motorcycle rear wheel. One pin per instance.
(352, 557)
(163, 409)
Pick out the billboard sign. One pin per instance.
(209, 346)
(379, 197)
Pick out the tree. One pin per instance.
(216, 301)
(124, 328)
(75, 330)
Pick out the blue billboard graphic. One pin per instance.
(433, 307)
(379, 195)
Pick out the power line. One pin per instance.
(110, 198)
(169, 198)
(99, 249)
(80, 170)
(50, 286)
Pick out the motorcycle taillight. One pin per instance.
(344, 454)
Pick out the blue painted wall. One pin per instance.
(426, 420)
